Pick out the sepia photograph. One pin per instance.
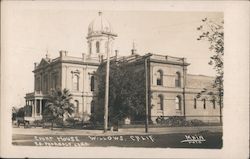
(98, 77)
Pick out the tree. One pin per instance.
(213, 32)
(126, 91)
(14, 113)
(28, 110)
(20, 113)
(58, 105)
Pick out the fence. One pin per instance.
(175, 121)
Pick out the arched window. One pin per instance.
(213, 103)
(97, 47)
(92, 83)
(195, 103)
(160, 102)
(92, 109)
(177, 79)
(159, 78)
(75, 82)
(178, 103)
(204, 103)
(76, 106)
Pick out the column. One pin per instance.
(35, 107)
(40, 112)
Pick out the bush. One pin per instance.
(196, 122)
(178, 121)
(38, 123)
(73, 122)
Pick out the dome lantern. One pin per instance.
(100, 37)
(98, 25)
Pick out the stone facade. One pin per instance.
(173, 90)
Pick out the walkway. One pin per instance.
(122, 131)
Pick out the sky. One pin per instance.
(30, 32)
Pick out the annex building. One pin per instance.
(173, 90)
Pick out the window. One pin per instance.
(213, 103)
(160, 102)
(45, 80)
(204, 103)
(76, 106)
(178, 103)
(92, 107)
(38, 84)
(97, 47)
(75, 82)
(195, 103)
(159, 78)
(177, 79)
(92, 83)
(54, 80)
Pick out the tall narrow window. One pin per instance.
(159, 78)
(92, 107)
(55, 80)
(213, 103)
(76, 106)
(97, 47)
(45, 80)
(178, 103)
(177, 79)
(92, 83)
(38, 84)
(195, 103)
(204, 103)
(75, 82)
(160, 102)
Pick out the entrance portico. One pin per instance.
(37, 103)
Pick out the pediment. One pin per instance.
(43, 63)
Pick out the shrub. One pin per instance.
(38, 123)
(178, 121)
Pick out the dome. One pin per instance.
(98, 25)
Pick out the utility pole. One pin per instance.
(146, 102)
(107, 83)
(184, 88)
(220, 103)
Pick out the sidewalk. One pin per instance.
(122, 131)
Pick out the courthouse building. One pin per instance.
(173, 90)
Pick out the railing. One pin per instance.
(30, 94)
(168, 58)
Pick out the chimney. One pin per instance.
(133, 51)
(63, 53)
